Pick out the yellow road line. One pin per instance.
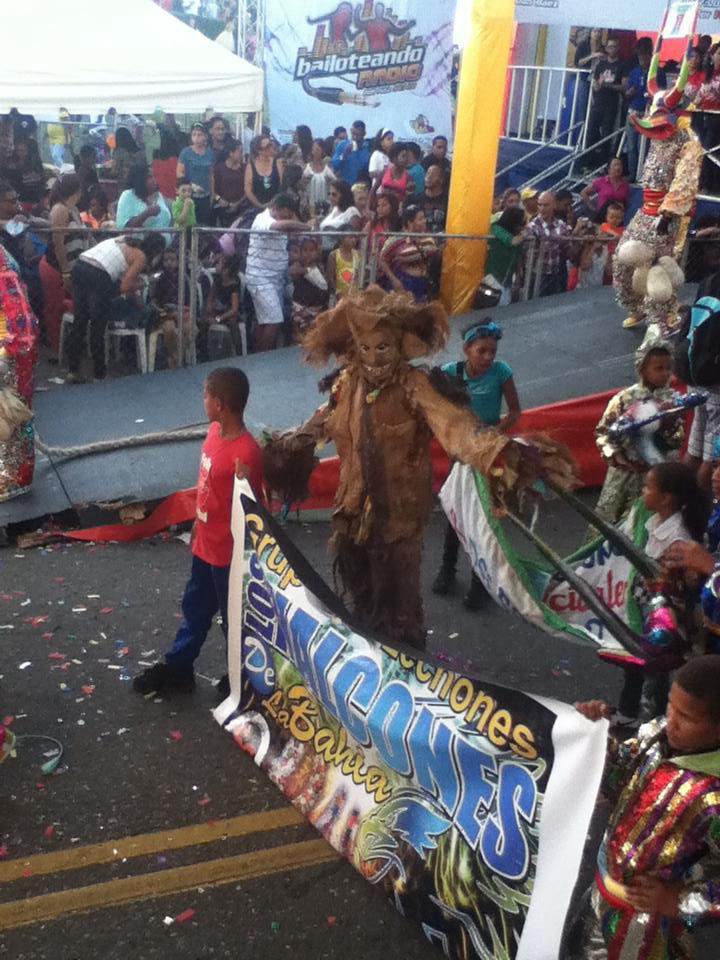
(109, 851)
(163, 883)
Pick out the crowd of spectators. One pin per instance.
(344, 183)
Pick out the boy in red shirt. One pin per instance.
(228, 449)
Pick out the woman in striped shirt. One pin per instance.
(410, 262)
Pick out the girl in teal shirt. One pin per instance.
(487, 381)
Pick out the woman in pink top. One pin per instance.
(612, 188)
(396, 178)
(385, 220)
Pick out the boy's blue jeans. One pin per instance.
(206, 593)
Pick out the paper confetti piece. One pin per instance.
(106, 609)
(25, 665)
(204, 801)
(175, 734)
(3, 851)
(26, 603)
(49, 831)
(185, 915)
(8, 720)
(36, 621)
(56, 656)
(79, 609)
(87, 690)
(168, 921)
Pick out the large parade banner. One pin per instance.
(466, 803)
(534, 590)
(329, 63)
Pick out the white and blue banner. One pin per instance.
(467, 803)
(533, 590)
(329, 63)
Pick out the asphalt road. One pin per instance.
(162, 773)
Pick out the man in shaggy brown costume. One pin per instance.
(382, 415)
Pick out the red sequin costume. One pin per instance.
(18, 355)
(666, 824)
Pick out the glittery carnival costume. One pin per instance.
(18, 355)
(382, 415)
(644, 283)
(666, 824)
(623, 484)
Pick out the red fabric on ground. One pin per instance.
(571, 422)
(177, 508)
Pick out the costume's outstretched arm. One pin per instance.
(511, 465)
(679, 200)
(289, 458)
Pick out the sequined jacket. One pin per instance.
(669, 434)
(666, 823)
(671, 174)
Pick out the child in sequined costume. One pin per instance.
(18, 355)
(626, 467)
(658, 867)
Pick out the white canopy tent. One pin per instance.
(89, 55)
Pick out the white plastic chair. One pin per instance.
(140, 345)
(67, 321)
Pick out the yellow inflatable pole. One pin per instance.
(477, 134)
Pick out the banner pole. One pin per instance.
(477, 132)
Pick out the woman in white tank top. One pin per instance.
(109, 269)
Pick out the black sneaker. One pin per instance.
(222, 688)
(443, 582)
(162, 678)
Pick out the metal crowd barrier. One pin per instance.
(525, 283)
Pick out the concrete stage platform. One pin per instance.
(559, 347)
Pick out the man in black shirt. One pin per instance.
(434, 201)
(438, 157)
(607, 92)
